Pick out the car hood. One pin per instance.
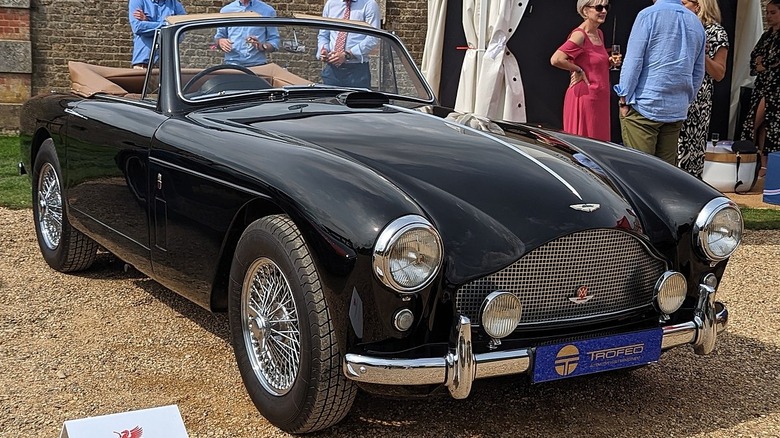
(492, 196)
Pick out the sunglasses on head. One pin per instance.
(600, 8)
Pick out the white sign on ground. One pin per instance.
(162, 422)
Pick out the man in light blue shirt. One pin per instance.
(346, 58)
(244, 45)
(661, 74)
(145, 17)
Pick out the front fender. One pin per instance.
(340, 207)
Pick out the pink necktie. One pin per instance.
(341, 38)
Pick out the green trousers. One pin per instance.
(654, 138)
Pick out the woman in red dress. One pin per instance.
(586, 105)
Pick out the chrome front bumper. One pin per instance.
(459, 368)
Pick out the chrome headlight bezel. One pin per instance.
(703, 228)
(386, 242)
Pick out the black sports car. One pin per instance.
(357, 233)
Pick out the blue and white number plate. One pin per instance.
(553, 362)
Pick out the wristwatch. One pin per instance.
(347, 55)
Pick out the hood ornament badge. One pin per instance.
(587, 208)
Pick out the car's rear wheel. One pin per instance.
(282, 333)
(63, 247)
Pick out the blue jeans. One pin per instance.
(356, 75)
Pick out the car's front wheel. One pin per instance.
(63, 247)
(281, 330)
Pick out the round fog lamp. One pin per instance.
(670, 290)
(500, 314)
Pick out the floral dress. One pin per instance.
(767, 86)
(693, 135)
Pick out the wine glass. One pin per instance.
(615, 53)
(715, 139)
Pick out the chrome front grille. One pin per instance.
(617, 268)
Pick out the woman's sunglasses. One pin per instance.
(600, 8)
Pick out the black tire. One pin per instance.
(63, 247)
(309, 396)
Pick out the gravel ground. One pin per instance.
(106, 341)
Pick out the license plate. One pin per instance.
(571, 359)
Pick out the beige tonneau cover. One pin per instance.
(89, 79)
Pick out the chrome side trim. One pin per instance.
(460, 367)
(207, 177)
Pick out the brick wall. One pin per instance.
(14, 24)
(15, 63)
(98, 32)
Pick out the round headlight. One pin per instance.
(407, 254)
(718, 229)
(501, 313)
(670, 291)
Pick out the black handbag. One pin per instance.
(746, 147)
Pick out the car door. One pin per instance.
(107, 176)
(194, 201)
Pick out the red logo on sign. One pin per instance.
(135, 432)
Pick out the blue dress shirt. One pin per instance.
(359, 45)
(143, 31)
(664, 63)
(244, 53)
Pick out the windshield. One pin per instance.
(219, 60)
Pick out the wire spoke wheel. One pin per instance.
(271, 328)
(49, 206)
(282, 332)
(64, 248)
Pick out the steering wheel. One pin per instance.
(214, 68)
